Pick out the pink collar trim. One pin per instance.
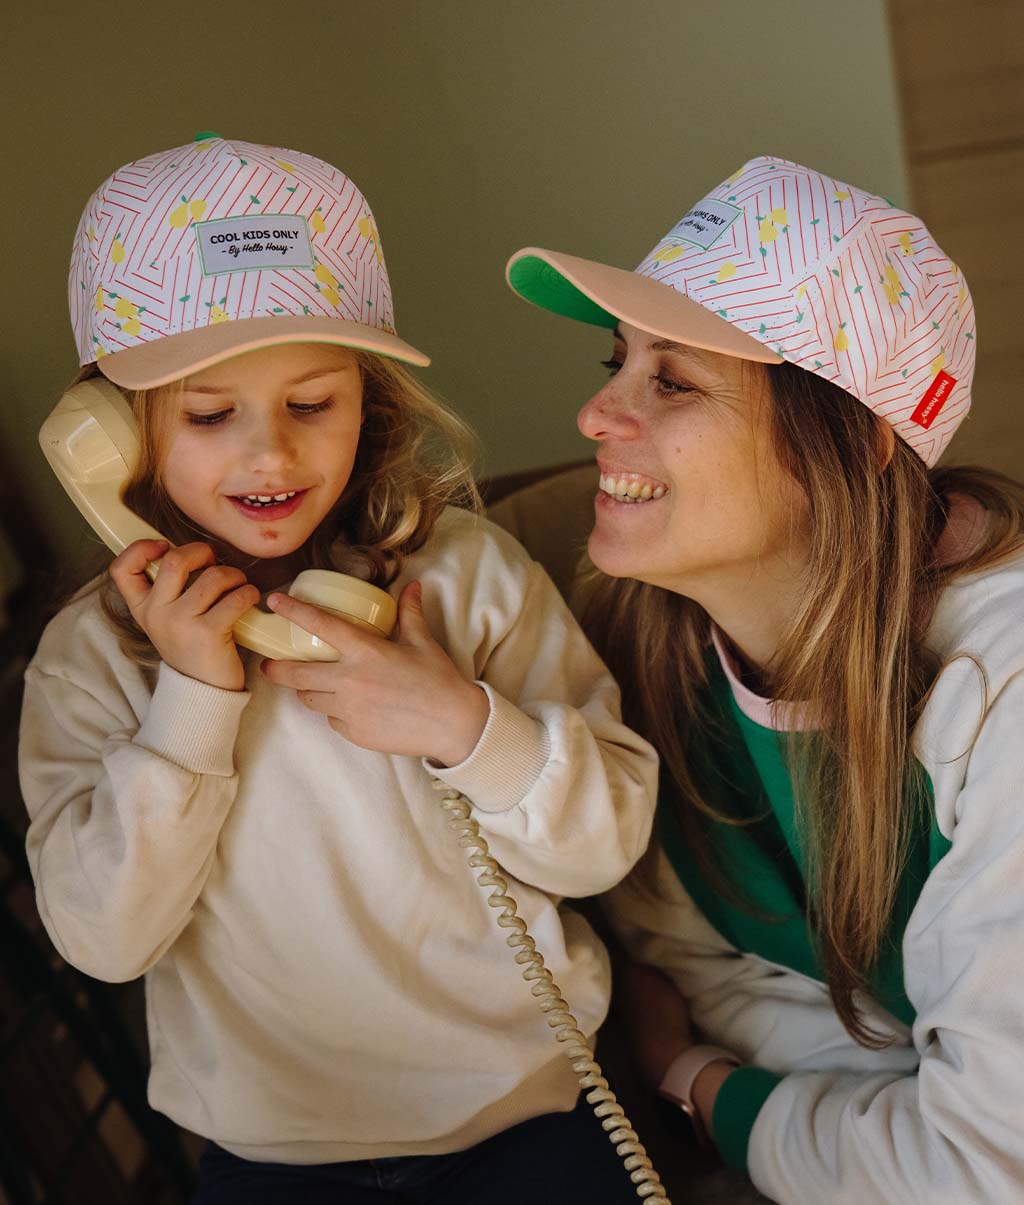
(768, 713)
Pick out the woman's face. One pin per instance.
(263, 445)
(685, 433)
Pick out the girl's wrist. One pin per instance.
(464, 736)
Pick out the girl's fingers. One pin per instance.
(317, 700)
(128, 569)
(302, 675)
(232, 607)
(208, 587)
(175, 569)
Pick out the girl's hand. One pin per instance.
(657, 1019)
(189, 624)
(402, 696)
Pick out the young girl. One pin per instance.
(821, 632)
(329, 998)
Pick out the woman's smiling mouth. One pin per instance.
(631, 487)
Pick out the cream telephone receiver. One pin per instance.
(91, 444)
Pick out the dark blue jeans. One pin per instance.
(560, 1157)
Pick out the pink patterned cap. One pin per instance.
(200, 253)
(781, 262)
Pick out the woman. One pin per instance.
(821, 632)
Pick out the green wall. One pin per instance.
(472, 128)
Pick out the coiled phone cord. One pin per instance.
(613, 1120)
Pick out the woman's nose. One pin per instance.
(608, 414)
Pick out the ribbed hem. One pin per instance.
(192, 724)
(509, 757)
(737, 1105)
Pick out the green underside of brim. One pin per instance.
(545, 286)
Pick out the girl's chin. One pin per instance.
(263, 546)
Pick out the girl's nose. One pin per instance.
(269, 445)
(608, 414)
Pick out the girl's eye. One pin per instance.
(311, 407)
(299, 408)
(669, 388)
(207, 420)
(613, 366)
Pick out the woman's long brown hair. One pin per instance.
(856, 652)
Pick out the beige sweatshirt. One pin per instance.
(325, 979)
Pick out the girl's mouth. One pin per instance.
(265, 508)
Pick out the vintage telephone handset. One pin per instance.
(91, 444)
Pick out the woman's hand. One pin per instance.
(188, 624)
(657, 1019)
(401, 696)
(659, 1029)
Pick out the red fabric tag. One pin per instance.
(933, 401)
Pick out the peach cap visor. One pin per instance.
(604, 296)
(149, 365)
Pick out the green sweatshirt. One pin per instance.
(746, 778)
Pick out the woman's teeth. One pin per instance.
(267, 499)
(630, 489)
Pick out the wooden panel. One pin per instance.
(960, 64)
(993, 432)
(975, 211)
(973, 207)
(961, 71)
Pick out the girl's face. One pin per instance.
(686, 432)
(263, 445)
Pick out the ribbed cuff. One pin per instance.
(737, 1105)
(192, 724)
(509, 757)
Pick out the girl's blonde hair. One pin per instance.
(855, 651)
(414, 458)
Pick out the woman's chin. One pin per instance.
(613, 556)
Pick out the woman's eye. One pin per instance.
(669, 388)
(310, 407)
(207, 420)
(613, 366)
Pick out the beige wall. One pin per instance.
(473, 129)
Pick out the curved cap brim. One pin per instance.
(174, 356)
(604, 296)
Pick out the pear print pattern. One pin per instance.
(187, 211)
(369, 231)
(837, 281)
(138, 270)
(667, 254)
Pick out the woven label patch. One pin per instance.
(262, 240)
(705, 224)
(933, 401)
